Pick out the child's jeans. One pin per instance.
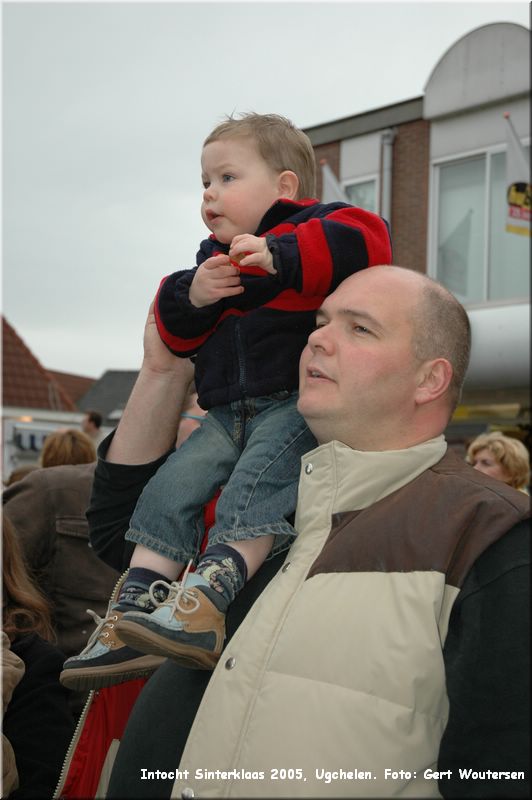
(251, 447)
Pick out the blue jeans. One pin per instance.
(251, 447)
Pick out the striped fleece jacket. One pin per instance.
(249, 345)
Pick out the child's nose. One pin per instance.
(209, 193)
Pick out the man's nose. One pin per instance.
(320, 339)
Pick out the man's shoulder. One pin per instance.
(465, 480)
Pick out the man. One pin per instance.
(91, 425)
(389, 655)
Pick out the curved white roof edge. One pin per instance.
(488, 64)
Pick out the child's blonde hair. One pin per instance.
(279, 142)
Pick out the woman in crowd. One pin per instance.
(47, 510)
(67, 447)
(502, 457)
(37, 722)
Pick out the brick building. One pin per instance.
(435, 168)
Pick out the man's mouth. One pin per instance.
(313, 372)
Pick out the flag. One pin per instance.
(453, 256)
(518, 194)
(331, 191)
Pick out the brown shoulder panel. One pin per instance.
(443, 520)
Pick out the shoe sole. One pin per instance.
(140, 638)
(81, 679)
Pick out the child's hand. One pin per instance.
(256, 247)
(215, 279)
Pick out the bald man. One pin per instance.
(388, 655)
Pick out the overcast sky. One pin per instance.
(105, 107)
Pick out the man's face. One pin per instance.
(358, 374)
(239, 187)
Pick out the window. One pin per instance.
(476, 258)
(363, 194)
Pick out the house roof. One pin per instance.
(26, 384)
(74, 385)
(109, 393)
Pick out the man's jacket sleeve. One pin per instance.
(487, 664)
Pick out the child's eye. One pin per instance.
(206, 184)
(227, 178)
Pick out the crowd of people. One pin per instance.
(355, 611)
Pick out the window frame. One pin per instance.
(375, 177)
(487, 151)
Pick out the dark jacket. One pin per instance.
(38, 721)
(249, 345)
(47, 509)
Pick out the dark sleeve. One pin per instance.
(183, 327)
(115, 491)
(38, 721)
(487, 662)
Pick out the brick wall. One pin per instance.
(410, 195)
(410, 190)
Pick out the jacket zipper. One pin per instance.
(241, 359)
(73, 744)
(241, 383)
(83, 716)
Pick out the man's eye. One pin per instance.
(361, 329)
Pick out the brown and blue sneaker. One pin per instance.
(107, 660)
(188, 627)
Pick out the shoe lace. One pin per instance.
(101, 623)
(182, 599)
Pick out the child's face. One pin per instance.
(239, 187)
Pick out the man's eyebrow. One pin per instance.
(356, 313)
(352, 313)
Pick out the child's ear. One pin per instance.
(288, 184)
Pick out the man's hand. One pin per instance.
(158, 358)
(148, 426)
(256, 247)
(215, 279)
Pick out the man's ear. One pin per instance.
(434, 378)
(288, 184)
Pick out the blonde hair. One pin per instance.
(67, 447)
(25, 609)
(279, 142)
(510, 453)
